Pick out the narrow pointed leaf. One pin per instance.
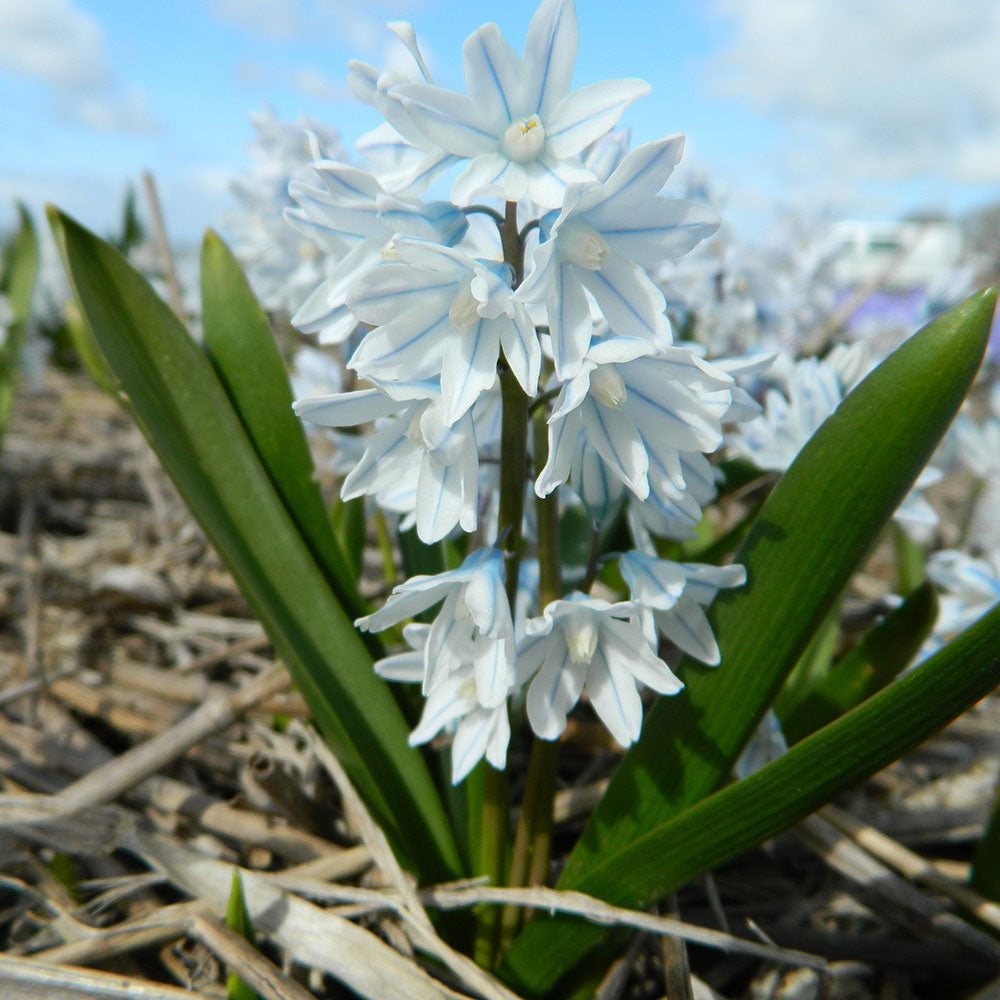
(18, 269)
(238, 920)
(189, 419)
(242, 349)
(815, 528)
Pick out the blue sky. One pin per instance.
(852, 108)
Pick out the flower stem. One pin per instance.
(494, 832)
(533, 839)
(490, 847)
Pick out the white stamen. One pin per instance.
(608, 387)
(581, 245)
(581, 638)
(523, 140)
(464, 311)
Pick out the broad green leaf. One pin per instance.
(238, 920)
(876, 660)
(242, 349)
(18, 268)
(185, 412)
(90, 354)
(752, 811)
(817, 525)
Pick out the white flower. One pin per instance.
(282, 266)
(814, 391)
(602, 240)
(415, 442)
(473, 627)
(676, 593)
(406, 162)
(478, 731)
(438, 312)
(353, 207)
(582, 642)
(519, 123)
(640, 412)
(971, 587)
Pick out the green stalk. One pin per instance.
(533, 839)
(491, 850)
(910, 560)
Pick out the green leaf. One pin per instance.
(238, 920)
(18, 268)
(348, 521)
(242, 349)
(813, 665)
(751, 811)
(876, 660)
(186, 414)
(815, 528)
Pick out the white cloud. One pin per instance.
(359, 26)
(111, 112)
(63, 47)
(312, 82)
(52, 41)
(275, 19)
(893, 91)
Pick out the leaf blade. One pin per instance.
(183, 409)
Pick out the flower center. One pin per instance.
(463, 313)
(579, 244)
(608, 387)
(523, 140)
(581, 638)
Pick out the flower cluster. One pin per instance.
(459, 329)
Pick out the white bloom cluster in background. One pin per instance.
(433, 310)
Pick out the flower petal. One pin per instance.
(521, 348)
(469, 367)
(570, 325)
(446, 703)
(409, 346)
(493, 664)
(614, 436)
(614, 697)
(489, 174)
(390, 289)
(346, 409)
(440, 499)
(492, 72)
(481, 733)
(634, 182)
(549, 57)
(663, 229)
(631, 303)
(687, 627)
(562, 447)
(625, 644)
(555, 690)
(585, 115)
(448, 119)
(655, 583)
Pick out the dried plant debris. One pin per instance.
(150, 746)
